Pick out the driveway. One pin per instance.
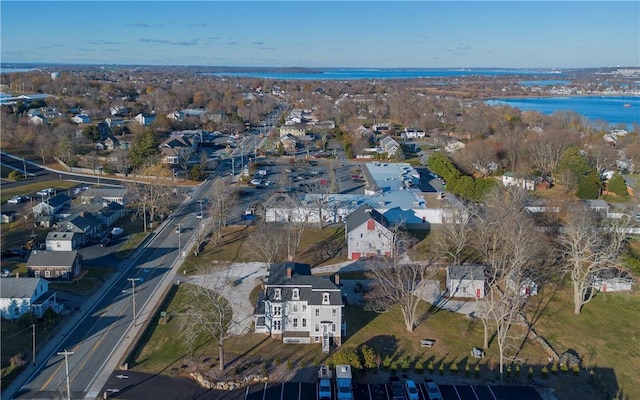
(238, 280)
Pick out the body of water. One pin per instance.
(612, 109)
(556, 82)
(374, 73)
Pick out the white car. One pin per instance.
(411, 390)
(432, 390)
(199, 215)
(16, 200)
(45, 192)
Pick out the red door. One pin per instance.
(477, 293)
(355, 256)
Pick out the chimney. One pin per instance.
(288, 272)
(336, 279)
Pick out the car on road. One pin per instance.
(17, 199)
(5, 273)
(411, 390)
(432, 390)
(45, 192)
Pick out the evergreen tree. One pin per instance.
(590, 186)
(144, 146)
(616, 185)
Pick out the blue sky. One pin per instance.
(417, 34)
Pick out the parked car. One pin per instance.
(17, 199)
(432, 390)
(45, 192)
(5, 273)
(397, 392)
(411, 390)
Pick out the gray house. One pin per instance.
(54, 265)
(466, 281)
(298, 307)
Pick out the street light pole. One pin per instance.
(133, 296)
(66, 353)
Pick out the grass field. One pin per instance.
(34, 187)
(605, 335)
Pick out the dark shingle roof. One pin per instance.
(311, 288)
(362, 214)
(40, 258)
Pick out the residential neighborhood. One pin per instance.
(291, 197)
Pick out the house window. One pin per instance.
(58, 244)
(317, 312)
(36, 273)
(333, 327)
(277, 294)
(334, 313)
(361, 235)
(295, 308)
(277, 311)
(325, 298)
(277, 325)
(295, 322)
(304, 322)
(304, 308)
(316, 327)
(47, 274)
(64, 274)
(296, 294)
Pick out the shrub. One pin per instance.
(508, 371)
(554, 368)
(441, 368)
(454, 367)
(289, 365)
(476, 370)
(544, 372)
(394, 369)
(14, 176)
(405, 363)
(278, 361)
(386, 363)
(369, 357)
(518, 371)
(419, 368)
(530, 373)
(430, 367)
(466, 370)
(564, 368)
(348, 355)
(576, 369)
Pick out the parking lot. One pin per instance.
(308, 391)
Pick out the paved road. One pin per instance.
(103, 327)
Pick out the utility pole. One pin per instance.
(24, 167)
(33, 344)
(144, 214)
(66, 353)
(133, 296)
(179, 242)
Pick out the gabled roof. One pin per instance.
(60, 236)
(59, 200)
(41, 258)
(83, 220)
(105, 192)
(19, 288)
(467, 272)
(362, 214)
(278, 272)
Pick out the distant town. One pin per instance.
(262, 236)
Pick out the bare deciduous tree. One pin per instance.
(394, 283)
(207, 312)
(267, 241)
(454, 237)
(221, 200)
(590, 244)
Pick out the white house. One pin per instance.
(466, 281)
(81, 119)
(368, 234)
(298, 307)
(510, 179)
(145, 119)
(21, 295)
(612, 280)
(63, 241)
(412, 133)
(104, 195)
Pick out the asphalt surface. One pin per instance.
(126, 385)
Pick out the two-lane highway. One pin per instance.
(97, 335)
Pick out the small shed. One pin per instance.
(466, 281)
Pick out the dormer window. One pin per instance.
(295, 294)
(277, 294)
(325, 298)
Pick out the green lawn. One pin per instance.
(34, 187)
